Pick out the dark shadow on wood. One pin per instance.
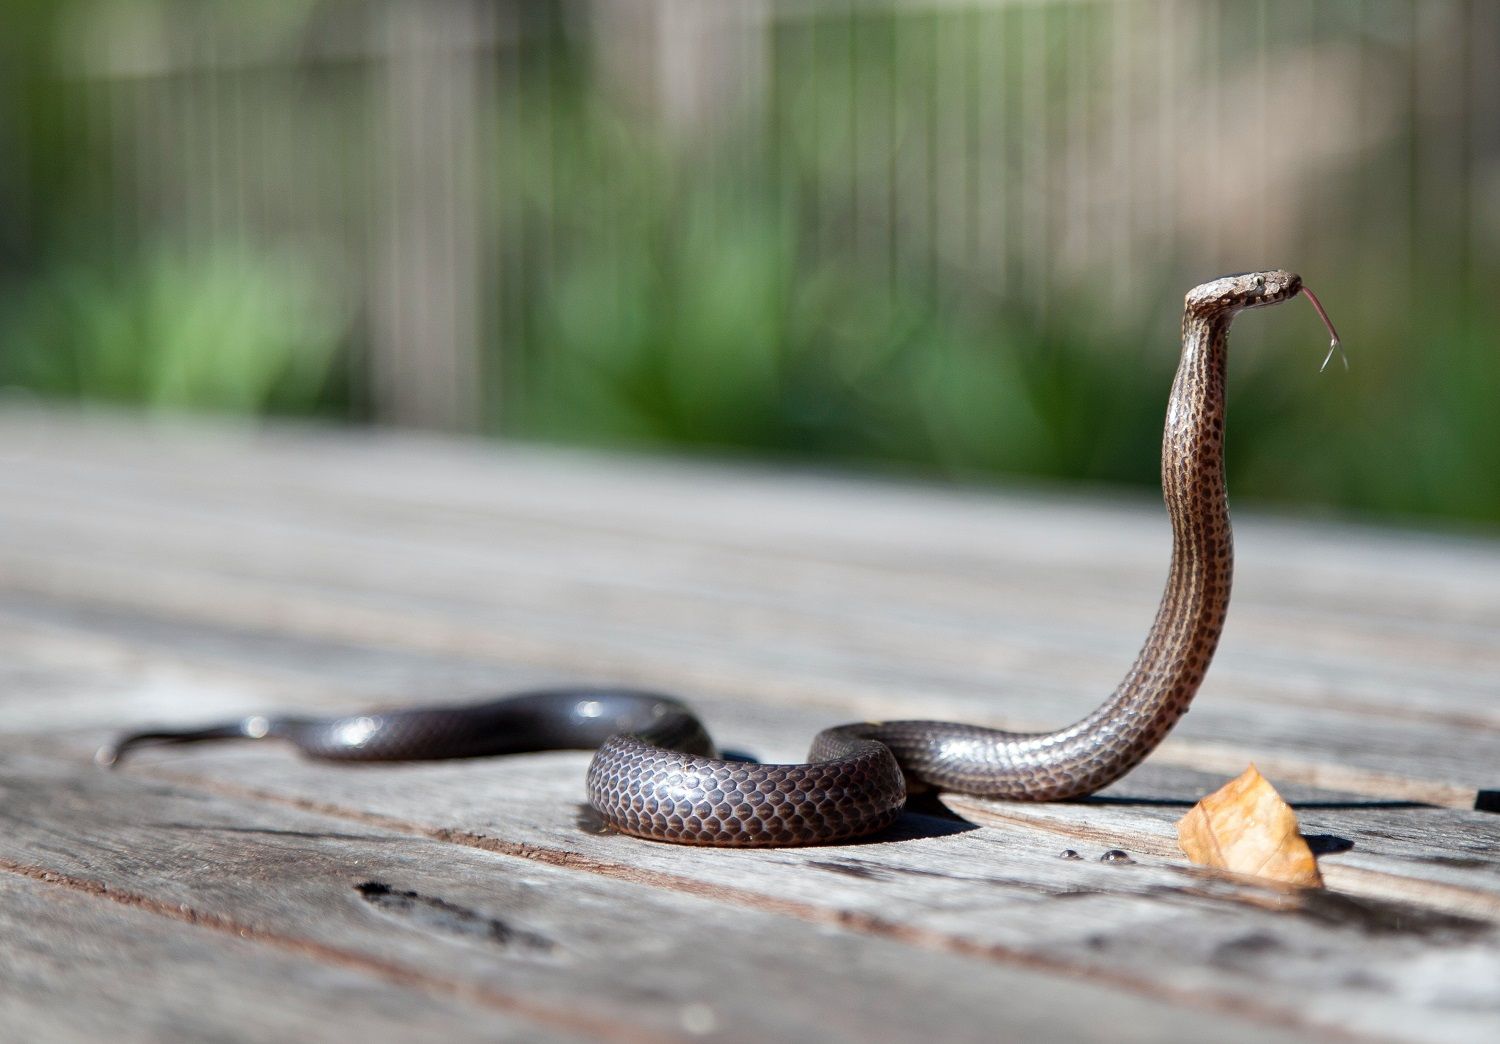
(587, 819)
(930, 804)
(1327, 844)
(1384, 917)
(915, 824)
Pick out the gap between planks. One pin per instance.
(177, 871)
(855, 700)
(1095, 563)
(74, 969)
(1358, 881)
(858, 922)
(389, 971)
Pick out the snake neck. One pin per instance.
(1170, 667)
(1155, 693)
(1168, 670)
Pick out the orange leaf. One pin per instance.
(1245, 827)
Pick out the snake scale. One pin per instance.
(655, 773)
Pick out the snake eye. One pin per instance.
(1260, 281)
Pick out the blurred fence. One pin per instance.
(454, 195)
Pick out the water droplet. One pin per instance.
(1068, 853)
(1116, 855)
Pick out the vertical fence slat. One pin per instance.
(424, 341)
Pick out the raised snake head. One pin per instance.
(1234, 293)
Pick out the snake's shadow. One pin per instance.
(924, 816)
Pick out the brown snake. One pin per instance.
(654, 774)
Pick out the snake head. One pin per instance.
(1234, 293)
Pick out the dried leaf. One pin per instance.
(1245, 827)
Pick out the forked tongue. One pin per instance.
(1334, 344)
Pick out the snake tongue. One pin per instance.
(1334, 343)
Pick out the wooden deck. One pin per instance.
(180, 575)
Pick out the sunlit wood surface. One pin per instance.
(188, 573)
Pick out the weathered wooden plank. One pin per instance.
(1168, 918)
(946, 668)
(78, 967)
(1076, 614)
(540, 797)
(675, 500)
(145, 577)
(598, 954)
(997, 546)
(982, 541)
(155, 664)
(271, 672)
(314, 675)
(1447, 859)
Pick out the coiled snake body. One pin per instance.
(655, 774)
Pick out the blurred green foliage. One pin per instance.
(217, 330)
(656, 293)
(711, 336)
(709, 319)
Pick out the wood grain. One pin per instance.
(599, 955)
(75, 968)
(189, 573)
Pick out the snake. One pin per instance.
(656, 774)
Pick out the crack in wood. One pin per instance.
(398, 974)
(451, 919)
(1121, 977)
